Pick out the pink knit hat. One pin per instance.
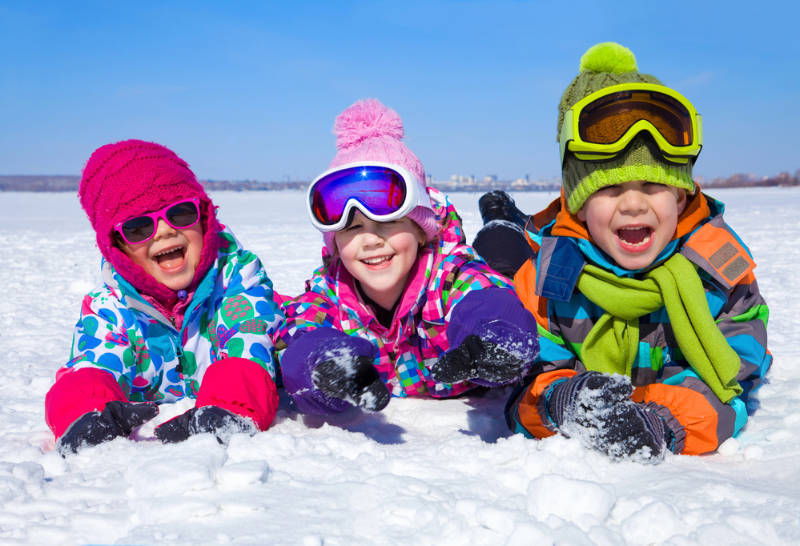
(132, 177)
(370, 131)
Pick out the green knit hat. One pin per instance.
(604, 65)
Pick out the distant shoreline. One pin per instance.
(70, 183)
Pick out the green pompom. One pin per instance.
(609, 57)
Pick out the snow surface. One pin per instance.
(421, 471)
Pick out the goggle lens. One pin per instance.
(141, 228)
(380, 190)
(607, 119)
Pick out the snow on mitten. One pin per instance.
(596, 408)
(352, 379)
(117, 419)
(212, 419)
(478, 360)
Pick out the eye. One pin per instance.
(352, 227)
(610, 191)
(653, 187)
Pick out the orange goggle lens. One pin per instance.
(607, 119)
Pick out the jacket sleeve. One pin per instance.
(102, 363)
(105, 338)
(698, 420)
(247, 315)
(311, 326)
(473, 299)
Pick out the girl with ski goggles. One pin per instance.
(601, 125)
(381, 191)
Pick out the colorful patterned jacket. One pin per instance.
(445, 272)
(141, 356)
(697, 420)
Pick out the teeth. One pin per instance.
(375, 261)
(168, 251)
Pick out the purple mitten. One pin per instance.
(309, 350)
(492, 337)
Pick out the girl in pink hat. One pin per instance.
(183, 311)
(401, 305)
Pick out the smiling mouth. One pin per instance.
(635, 238)
(378, 260)
(170, 258)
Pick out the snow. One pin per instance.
(421, 471)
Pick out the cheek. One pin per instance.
(137, 253)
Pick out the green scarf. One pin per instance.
(613, 341)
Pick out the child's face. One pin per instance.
(379, 255)
(634, 221)
(171, 255)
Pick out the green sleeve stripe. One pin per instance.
(547, 335)
(760, 312)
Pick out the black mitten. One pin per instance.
(117, 419)
(353, 380)
(220, 422)
(597, 408)
(587, 391)
(632, 428)
(476, 358)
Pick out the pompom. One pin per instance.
(608, 57)
(367, 118)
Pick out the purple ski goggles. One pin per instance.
(381, 191)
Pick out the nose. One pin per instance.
(373, 237)
(163, 229)
(632, 201)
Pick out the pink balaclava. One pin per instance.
(370, 131)
(132, 177)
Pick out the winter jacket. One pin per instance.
(697, 420)
(425, 324)
(125, 349)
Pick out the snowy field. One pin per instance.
(420, 472)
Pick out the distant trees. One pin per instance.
(746, 180)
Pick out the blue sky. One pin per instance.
(249, 90)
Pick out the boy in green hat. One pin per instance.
(652, 328)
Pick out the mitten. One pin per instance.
(221, 423)
(346, 375)
(353, 379)
(597, 408)
(117, 419)
(478, 360)
(493, 339)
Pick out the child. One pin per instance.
(183, 311)
(400, 296)
(653, 328)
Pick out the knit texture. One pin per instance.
(132, 177)
(603, 65)
(370, 131)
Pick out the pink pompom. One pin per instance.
(367, 118)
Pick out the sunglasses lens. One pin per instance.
(607, 119)
(379, 190)
(138, 229)
(182, 214)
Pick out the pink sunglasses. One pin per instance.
(179, 215)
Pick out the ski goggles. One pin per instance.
(179, 215)
(601, 125)
(381, 191)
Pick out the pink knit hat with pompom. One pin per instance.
(370, 131)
